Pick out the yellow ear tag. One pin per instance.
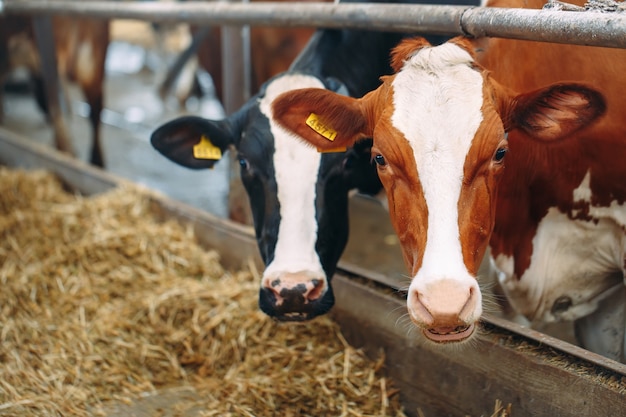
(332, 150)
(206, 150)
(314, 123)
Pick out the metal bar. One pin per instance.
(582, 28)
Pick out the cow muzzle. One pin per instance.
(295, 296)
(446, 310)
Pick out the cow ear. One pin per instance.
(194, 142)
(467, 44)
(554, 112)
(406, 49)
(324, 119)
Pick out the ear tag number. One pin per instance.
(314, 123)
(206, 150)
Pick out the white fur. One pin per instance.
(86, 63)
(438, 99)
(578, 259)
(296, 166)
(615, 211)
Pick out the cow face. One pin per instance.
(298, 195)
(439, 127)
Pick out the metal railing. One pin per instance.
(590, 28)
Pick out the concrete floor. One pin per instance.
(133, 110)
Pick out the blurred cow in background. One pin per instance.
(81, 48)
(272, 50)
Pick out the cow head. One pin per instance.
(298, 195)
(439, 127)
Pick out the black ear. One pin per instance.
(194, 142)
(359, 170)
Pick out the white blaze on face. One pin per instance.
(296, 168)
(437, 100)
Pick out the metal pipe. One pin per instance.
(582, 28)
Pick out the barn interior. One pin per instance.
(137, 60)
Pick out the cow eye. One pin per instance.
(499, 155)
(243, 163)
(380, 160)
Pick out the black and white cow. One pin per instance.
(298, 197)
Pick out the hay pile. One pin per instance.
(100, 303)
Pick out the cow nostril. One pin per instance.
(293, 289)
(316, 291)
(275, 291)
(418, 310)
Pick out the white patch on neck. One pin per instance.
(571, 258)
(296, 167)
(583, 191)
(615, 211)
(438, 98)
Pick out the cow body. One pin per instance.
(297, 195)
(442, 126)
(81, 47)
(558, 243)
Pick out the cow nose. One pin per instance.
(293, 288)
(446, 310)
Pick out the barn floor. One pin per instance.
(133, 110)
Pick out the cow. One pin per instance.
(558, 246)
(298, 197)
(272, 51)
(443, 127)
(81, 47)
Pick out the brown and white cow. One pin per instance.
(559, 244)
(80, 46)
(442, 126)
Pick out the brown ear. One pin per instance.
(468, 44)
(325, 119)
(405, 49)
(554, 112)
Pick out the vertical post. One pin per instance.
(44, 38)
(236, 86)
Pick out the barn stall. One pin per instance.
(509, 364)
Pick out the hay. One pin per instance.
(100, 303)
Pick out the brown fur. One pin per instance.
(272, 50)
(87, 71)
(539, 176)
(405, 49)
